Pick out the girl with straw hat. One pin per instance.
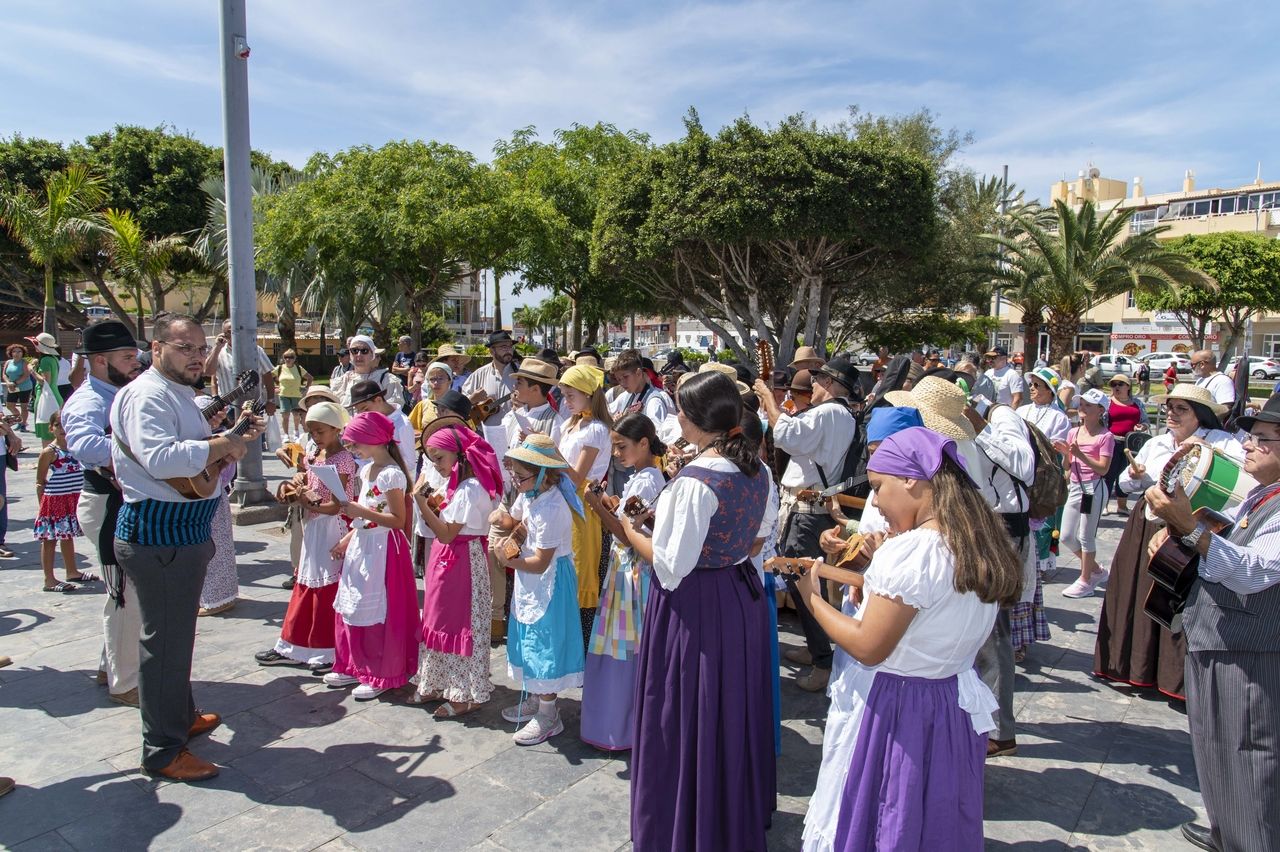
(307, 638)
(585, 445)
(544, 640)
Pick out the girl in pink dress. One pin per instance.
(376, 629)
(458, 604)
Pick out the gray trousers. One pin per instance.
(165, 583)
(1233, 709)
(995, 667)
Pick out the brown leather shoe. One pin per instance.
(800, 656)
(1002, 748)
(129, 698)
(815, 681)
(497, 630)
(6, 785)
(204, 723)
(186, 767)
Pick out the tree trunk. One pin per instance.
(497, 301)
(575, 321)
(1062, 335)
(1031, 338)
(286, 319)
(50, 323)
(787, 336)
(824, 319)
(812, 288)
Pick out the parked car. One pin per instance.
(1110, 365)
(1259, 367)
(867, 358)
(94, 313)
(1160, 361)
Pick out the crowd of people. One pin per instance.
(632, 530)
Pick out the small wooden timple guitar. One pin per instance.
(204, 484)
(636, 508)
(764, 358)
(787, 566)
(484, 407)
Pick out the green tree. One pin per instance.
(141, 262)
(1086, 259)
(1244, 269)
(53, 226)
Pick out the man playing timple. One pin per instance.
(364, 361)
(1010, 388)
(163, 540)
(495, 380)
(112, 354)
(1219, 385)
(221, 367)
(1232, 627)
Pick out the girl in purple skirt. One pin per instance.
(703, 765)
(902, 757)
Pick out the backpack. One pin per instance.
(851, 478)
(1047, 492)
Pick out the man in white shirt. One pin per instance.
(220, 368)
(496, 379)
(1219, 385)
(818, 440)
(1010, 388)
(364, 363)
(163, 540)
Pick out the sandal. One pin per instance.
(449, 710)
(61, 587)
(85, 577)
(424, 697)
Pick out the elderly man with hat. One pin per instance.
(496, 380)
(112, 356)
(1011, 390)
(1232, 627)
(364, 360)
(818, 440)
(343, 366)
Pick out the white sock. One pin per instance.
(547, 708)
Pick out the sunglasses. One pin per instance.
(359, 350)
(1119, 385)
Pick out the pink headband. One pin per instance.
(369, 427)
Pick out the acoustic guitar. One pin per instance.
(246, 386)
(1174, 569)
(789, 566)
(204, 484)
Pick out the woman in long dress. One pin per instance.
(1131, 647)
(703, 765)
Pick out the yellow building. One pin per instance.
(1116, 325)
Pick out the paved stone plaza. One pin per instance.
(305, 767)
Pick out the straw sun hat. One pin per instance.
(1191, 393)
(941, 406)
(538, 451)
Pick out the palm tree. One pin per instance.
(1083, 258)
(52, 229)
(140, 261)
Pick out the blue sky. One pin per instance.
(1135, 87)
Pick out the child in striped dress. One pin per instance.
(59, 479)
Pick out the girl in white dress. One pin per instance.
(909, 711)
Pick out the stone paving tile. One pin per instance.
(306, 767)
(49, 842)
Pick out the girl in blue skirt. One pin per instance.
(544, 635)
(905, 742)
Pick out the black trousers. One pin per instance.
(800, 538)
(165, 583)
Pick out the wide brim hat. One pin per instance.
(900, 399)
(717, 367)
(106, 336)
(447, 350)
(941, 405)
(317, 394)
(1191, 393)
(44, 343)
(538, 450)
(1121, 377)
(802, 382)
(500, 336)
(804, 355)
(843, 371)
(442, 422)
(537, 370)
(1270, 413)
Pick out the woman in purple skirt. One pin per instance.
(702, 770)
(906, 735)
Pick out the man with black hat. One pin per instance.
(495, 380)
(1010, 388)
(817, 440)
(1232, 626)
(112, 356)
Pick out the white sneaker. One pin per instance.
(522, 712)
(1100, 579)
(1078, 589)
(365, 692)
(539, 729)
(333, 680)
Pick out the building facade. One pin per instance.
(1117, 324)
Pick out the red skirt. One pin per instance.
(308, 623)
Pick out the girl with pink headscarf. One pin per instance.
(376, 636)
(456, 609)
